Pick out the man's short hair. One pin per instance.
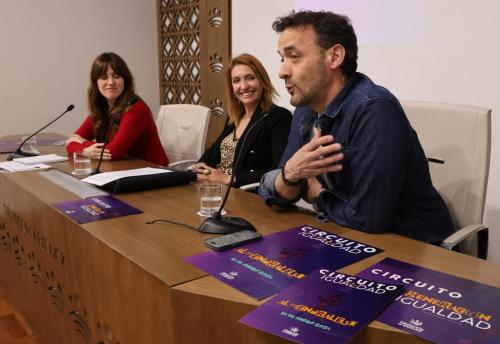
(330, 28)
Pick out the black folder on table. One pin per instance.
(149, 181)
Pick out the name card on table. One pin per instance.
(8, 146)
(95, 209)
(266, 267)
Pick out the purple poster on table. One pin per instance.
(8, 146)
(325, 307)
(437, 306)
(50, 142)
(96, 209)
(11, 145)
(264, 268)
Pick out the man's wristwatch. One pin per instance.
(289, 182)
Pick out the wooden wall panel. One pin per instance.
(194, 51)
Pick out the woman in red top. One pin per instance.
(114, 106)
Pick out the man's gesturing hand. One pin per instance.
(318, 156)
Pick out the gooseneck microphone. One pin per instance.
(18, 153)
(324, 124)
(114, 120)
(216, 224)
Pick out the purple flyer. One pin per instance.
(8, 146)
(11, 145)
(51, 142)
(437, 306)
(264, 268)
(325, 307)
(95, 209)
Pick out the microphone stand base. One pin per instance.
(20, 154)
(225, 225)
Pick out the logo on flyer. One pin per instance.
(230, 276)
(294, 331)
(414, 325)
(335, 241)
(416, 322)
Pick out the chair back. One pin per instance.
(459, 135)
(183, 130)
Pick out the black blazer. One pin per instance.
(263, 147)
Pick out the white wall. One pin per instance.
(48, 48)
(252, 33)
(456, 60)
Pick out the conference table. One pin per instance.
(122, 280)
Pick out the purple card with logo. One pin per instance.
(8, 146)
(264, 268)
(437, 306)
(11, 145)
(50, 142)
(96, 209)
(324, 307)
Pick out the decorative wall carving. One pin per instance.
(216, 107)
(194, 48)
(215, 18)
(46, 280)
(79, 318)
(37, 236)
(179, 38)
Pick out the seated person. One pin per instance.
(115, 107)
(380, 181)
(250, 94)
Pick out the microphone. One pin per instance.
(225, 225)
(114, 120)
(324, 123)
(18, 153)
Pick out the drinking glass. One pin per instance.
(81, 164)
(210, 199)
(30, 146)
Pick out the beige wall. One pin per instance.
(47, 50)
(455, 61)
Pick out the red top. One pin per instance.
(137, 136)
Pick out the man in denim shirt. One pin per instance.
(351, 150)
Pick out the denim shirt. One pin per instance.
(385, 183)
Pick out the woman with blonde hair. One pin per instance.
(249, 94)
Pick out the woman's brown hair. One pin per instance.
(235, 108)
(100, 111)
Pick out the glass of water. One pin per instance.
(210, 199)
(81, 164)
(30, 146)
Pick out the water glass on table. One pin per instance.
(81, 164)
(210, 199)
(30, 146)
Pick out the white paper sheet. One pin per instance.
(41, 159)
(106, 177)
(14, 166)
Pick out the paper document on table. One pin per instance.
(14, 166)
(106, 177)
(42, 159)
